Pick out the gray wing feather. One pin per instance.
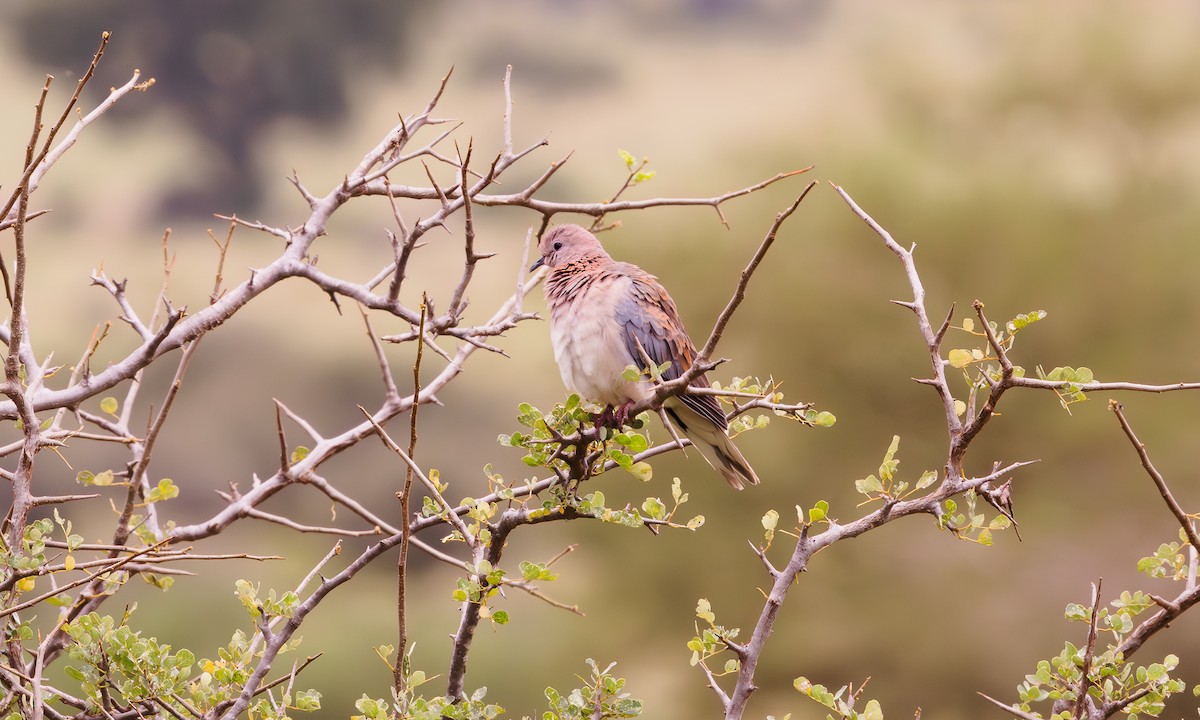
(648, 317)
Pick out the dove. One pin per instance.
(604, 314)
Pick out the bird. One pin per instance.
(606, 315)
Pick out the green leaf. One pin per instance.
(959, 358)
(367, 706)
(641, 470)
(109, 405)
(869, 485)
(536, 571)
(620, 458)
(887, 469)
(677, 492)
(704, 610)
(818, 512)
(873, 711)
(101, 480)
(627, 158)
(637, 443)
(653, 507)
(164, 490)
(1000, 523)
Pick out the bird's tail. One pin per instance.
(716, 447)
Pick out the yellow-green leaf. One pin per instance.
(641, 470)
(959, 358)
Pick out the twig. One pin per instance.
(350, 503)
(1113, 708)
(303, 528)
(1008, 708)
(931, 338)
(5, 612)
(36, 167)
(455, 521)
(739, 292)
(399, 670)
(1184, 521)
(286, 629)
(551, 208)
(1085, 682)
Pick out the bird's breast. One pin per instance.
(588, 343)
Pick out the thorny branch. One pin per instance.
(399, 672)
(1190, 594)
(955, 481)
(31, 387)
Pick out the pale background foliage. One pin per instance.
(1043, 156)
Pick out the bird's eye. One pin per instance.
(558, 246)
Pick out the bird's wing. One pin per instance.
(647, 317)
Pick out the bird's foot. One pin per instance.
(621, 414)
(604, 419)
(615, 418)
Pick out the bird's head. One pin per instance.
(564, 244)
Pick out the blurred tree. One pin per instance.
(229, 68)
(70, 660)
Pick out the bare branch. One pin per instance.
(932, 339)
(1089, 653)
(302, 528)
(739, 292)
(399, 671)
(37, 167)
(1009, 709)
(1185, 522)
(550, 208)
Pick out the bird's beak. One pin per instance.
(537, 263)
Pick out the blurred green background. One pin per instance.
(1041, 155)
